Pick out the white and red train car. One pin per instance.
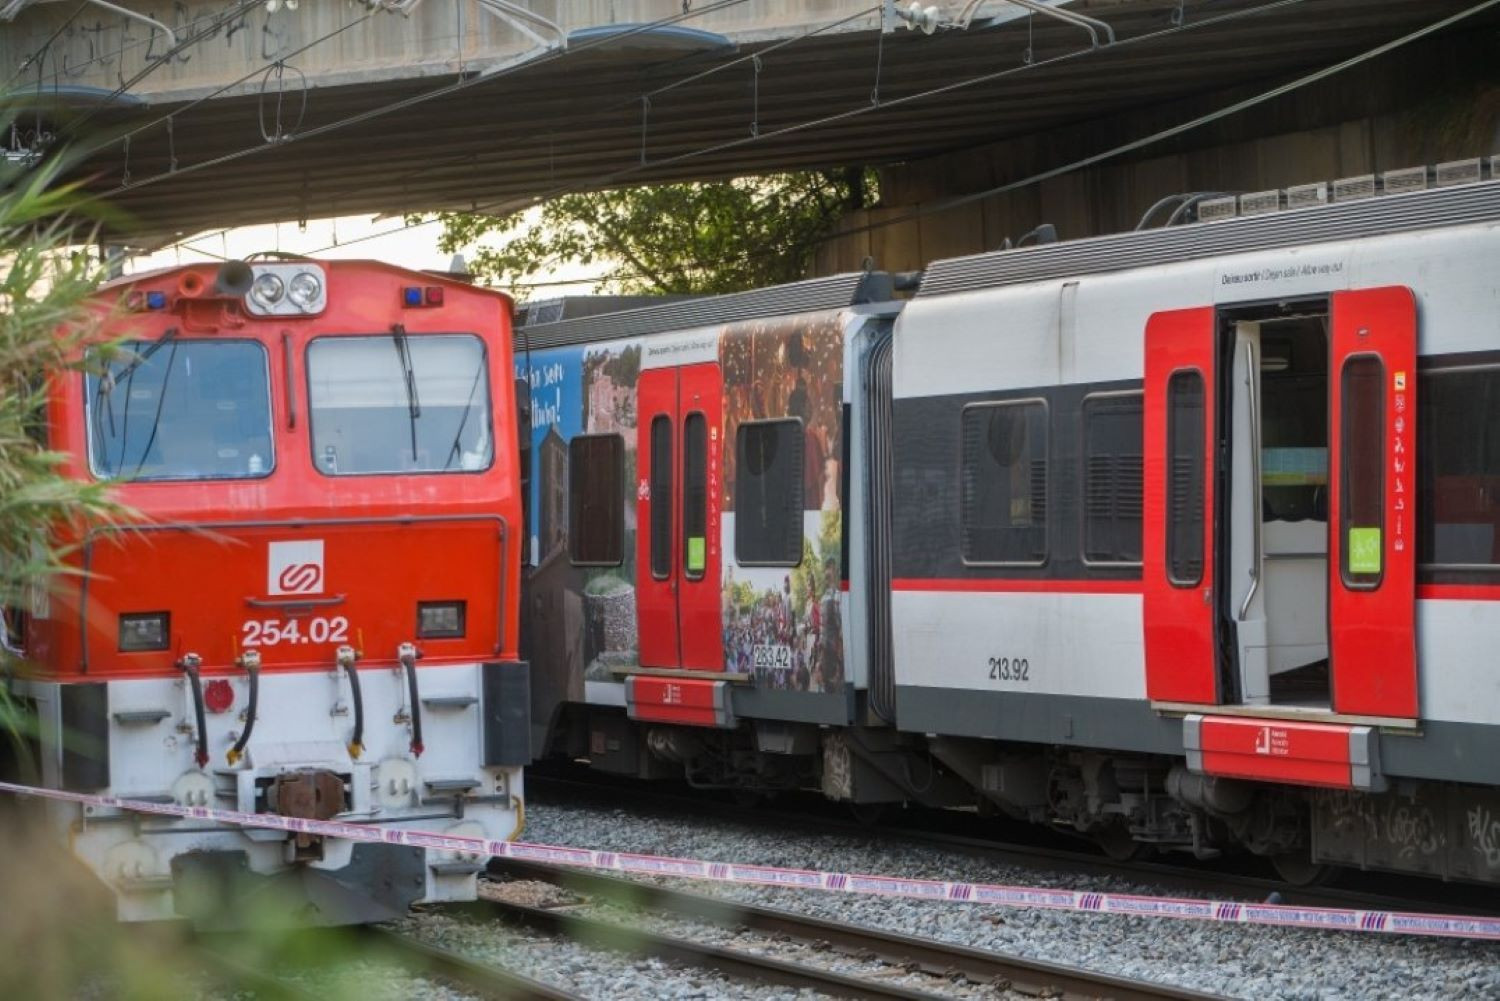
(689, 561)
(316, 612)
(1186, 538)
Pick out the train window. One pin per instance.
(1112, 485)
(596, 500)
(694, 495)
(661, 497)
(768, 493)
(1458, 458)
(400, 404)
(1362, 482)
(177, 409)
(1004, 483)
(1362, 471)
(1185, 489)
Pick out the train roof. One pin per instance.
(833, 292)
(1373, 215)
(572, 307)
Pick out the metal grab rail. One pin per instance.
(1252, 386)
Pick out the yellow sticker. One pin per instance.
(695, 560)
(1364, 550)
(1400, 381)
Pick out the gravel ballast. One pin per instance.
(592, 973)
(1234, 960)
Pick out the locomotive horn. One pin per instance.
(234, 278)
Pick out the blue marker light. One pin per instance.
(156, 300)
(412, 296)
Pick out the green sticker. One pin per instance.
(695, 554)
(1364, 550)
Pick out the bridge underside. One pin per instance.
(576, 119)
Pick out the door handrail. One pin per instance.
(1252, 387)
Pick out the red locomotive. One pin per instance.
(316, 613)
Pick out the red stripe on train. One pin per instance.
(1013, 586)
(1458, 592)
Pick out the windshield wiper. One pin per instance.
(161, 399)
(456, 450)
(104, 390)
(110, 379)
(413, 405)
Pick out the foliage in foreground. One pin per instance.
(689, 238)
(45, 281)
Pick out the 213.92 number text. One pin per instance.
(1015, 669)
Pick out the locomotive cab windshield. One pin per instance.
(181, 409)
(394, 403)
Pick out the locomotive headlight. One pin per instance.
(305, 290)
(268, 288)
(141, 631)
(440, 619)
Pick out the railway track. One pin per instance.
(417, 959)
(941, 961)
(243, 977)
(457, 970)
(1192, 877)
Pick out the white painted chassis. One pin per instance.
(304, 720)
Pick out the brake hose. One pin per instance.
(407, 654)
(346, 658)
(189, 665)
(250, 661)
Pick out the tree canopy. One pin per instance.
(692, 237)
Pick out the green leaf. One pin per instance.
(690, 238)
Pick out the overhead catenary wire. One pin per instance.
(414, 100)
(960, 201)
(259, 71)
(41, 50)
(615, 176)
(172, 52)
(646, 96)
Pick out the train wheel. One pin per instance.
(1116, 841)
(867, 814)
(1298, 869)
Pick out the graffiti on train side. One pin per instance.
(1484, 832)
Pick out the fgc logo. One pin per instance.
(295, 567)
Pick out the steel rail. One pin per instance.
(1197, 878)
(595, 933)
(444, 964)
(938, 958)
(236, 973)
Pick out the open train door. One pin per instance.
(1177, 537)
(1372, 502)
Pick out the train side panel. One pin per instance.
(1038, 640)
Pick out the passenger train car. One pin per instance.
(1184, 538)
(286, 627)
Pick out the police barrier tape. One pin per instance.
(1181, 908)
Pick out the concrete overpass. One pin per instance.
(234, 111)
